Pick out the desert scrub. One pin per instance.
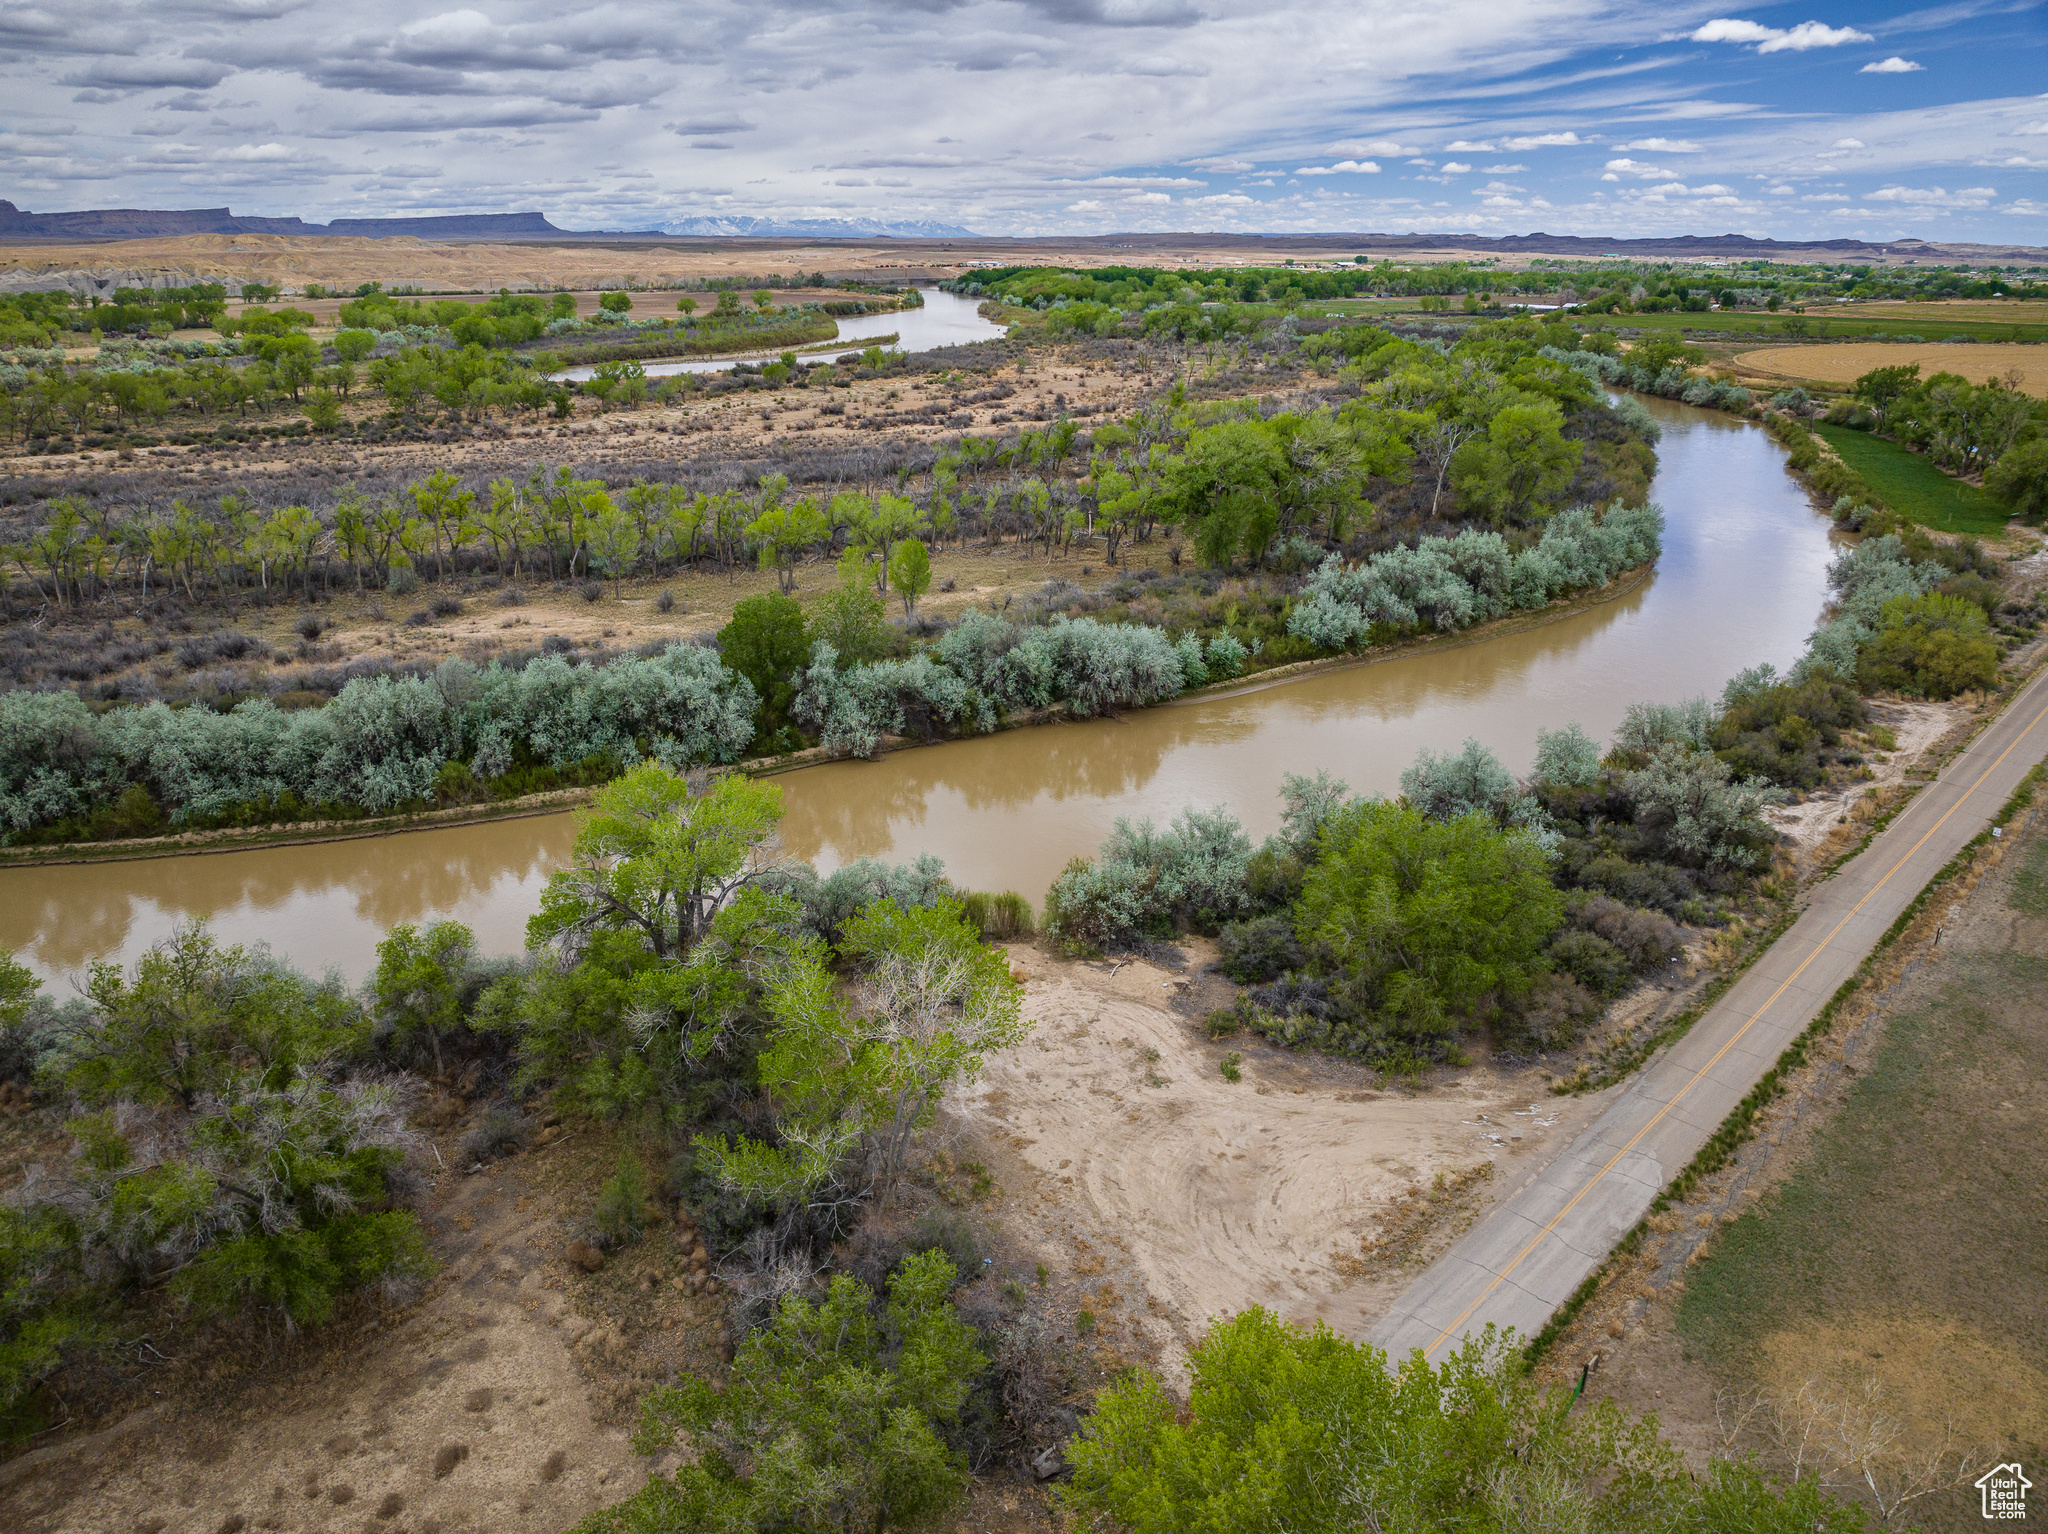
(621, 1212)
(1002, 918)
(499, 1131)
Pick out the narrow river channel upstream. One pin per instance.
(1741, 580)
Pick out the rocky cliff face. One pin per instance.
(145, 223)
(103, 280)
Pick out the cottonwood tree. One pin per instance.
(419, 981)
(785, 534)
(833, 1417)
(656, 860)
(1520, 466)
(910, 572)
(857, 1075)
(1298, 1430)
(1426, 918)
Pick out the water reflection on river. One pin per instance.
(945, 319)
(1741, 581)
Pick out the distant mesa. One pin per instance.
(20, 228)
(148, 223)
(144, 223)
(817, 229)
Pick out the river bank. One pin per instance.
(554, 801)
(1741, 580)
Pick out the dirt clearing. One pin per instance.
(500, 1404)
(1848, 361)
(1226, 1194)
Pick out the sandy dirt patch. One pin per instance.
(1849, 360)
(1229, 1194)
(1813, 820)
(492, 1407)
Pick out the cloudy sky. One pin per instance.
(1048, 116)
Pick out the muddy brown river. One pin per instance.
(1741, 580)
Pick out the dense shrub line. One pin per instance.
(1660, 366)
(1452, 583)
(384, 743)
(1857, 503)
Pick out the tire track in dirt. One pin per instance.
(1227, 1194)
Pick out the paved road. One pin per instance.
(1533, 1249)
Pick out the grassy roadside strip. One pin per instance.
(1740, 1124)
(2012, 680)
(1616, 1066)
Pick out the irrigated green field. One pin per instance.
(1915, 488)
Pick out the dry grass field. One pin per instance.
(2004, 311)
(1847, 361)
(485, 266)
(1863, 1284)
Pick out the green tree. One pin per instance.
(18, 987)
(504, 523)
(1881, 388)
(2020, 479)
(354, 346)
(879, 524)
(615, 303)
(418, 986)
(1426, 919)
(1934, 645)
(277, 1198)
(615, 539)
(1225, 488)
(196, 1015)
(855, 1080)
(353, 529)
(832, 1420)
(910, 572)
(1292, 1431)
(294, 361)
(762, 299)
(1517, 470)
(444, 510)
(655, 860)
(766, 643)
(686, 306)
(785, 534)
(849, 617)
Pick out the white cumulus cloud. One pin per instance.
(1892, 66)
(1342, 167)
(1808, 34)
(1934, 196)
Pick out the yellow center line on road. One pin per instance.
(1736, 1038)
